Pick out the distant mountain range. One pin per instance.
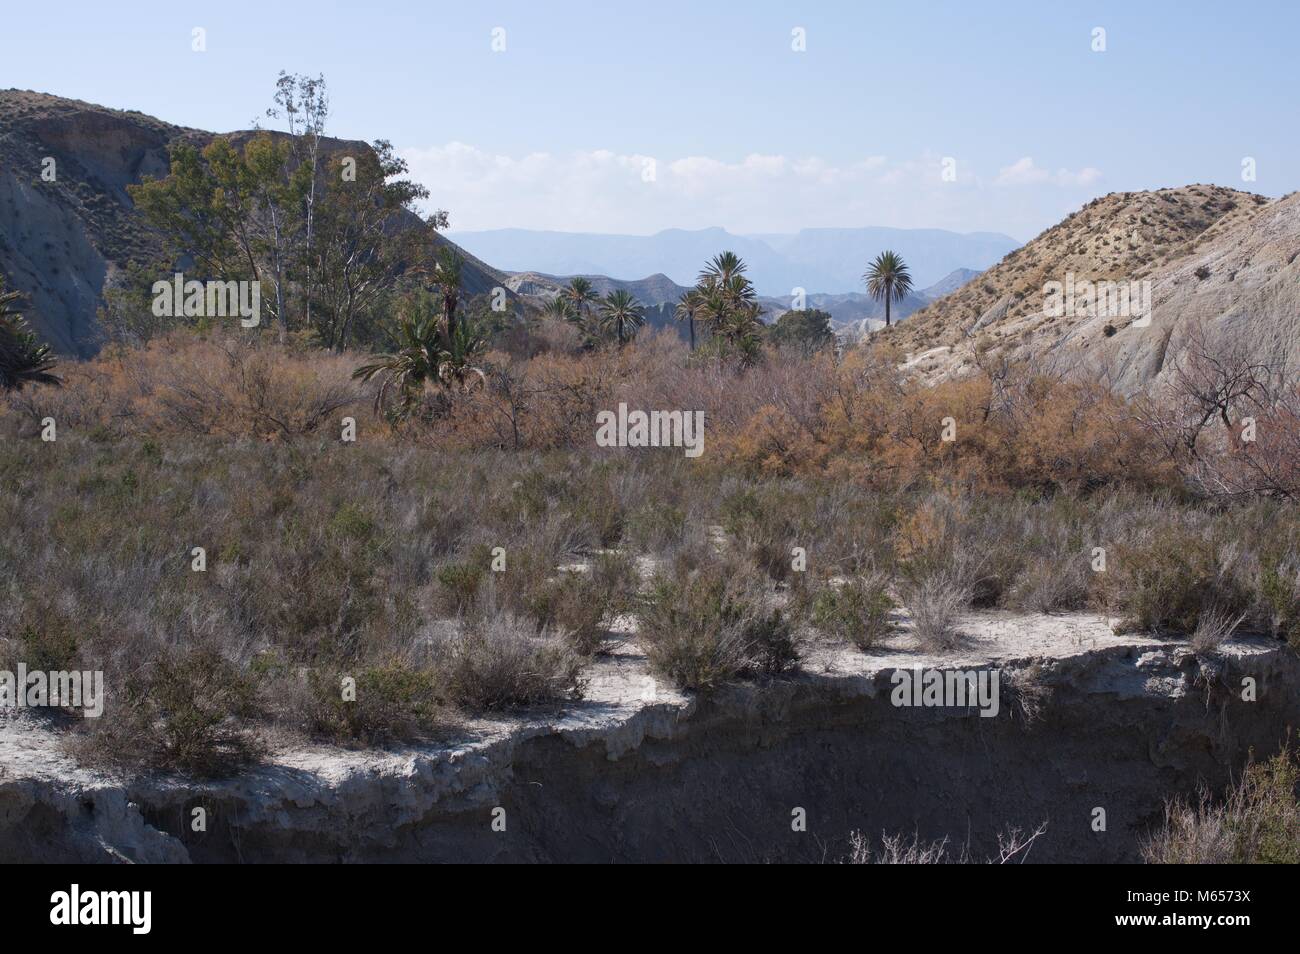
(827, 261)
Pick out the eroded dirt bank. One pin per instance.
(638, 772)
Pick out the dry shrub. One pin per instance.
(703, 627)
(503, 661)
(181, 712)
(1213, 626)
(1013, 848)
(389, 702)
(1165, 577)
(223, 384)
(1257, 823)
(935, 601)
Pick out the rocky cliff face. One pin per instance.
(61, 240)
(637, 772)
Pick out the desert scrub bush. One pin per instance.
(1213, 626)
(935, 601)
(501, 661)
(457, 584)
(185, 711)
(703, 627)
(766, 521)
(944, 537)
(384, 702)
(653, 527)
(1279, 594)
(1166, 576)
(573, 605)
(859, 611)
(581, 602)
(1258, 822)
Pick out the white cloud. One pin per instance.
(1024, 172)
(605, 191)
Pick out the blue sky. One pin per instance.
(635, 117)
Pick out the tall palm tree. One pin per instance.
(447, 268)
(722, 268)
(887, 278)
(687, 308)
(24, 359)
(620, 311)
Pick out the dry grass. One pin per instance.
(1258, 822)
(330, 560)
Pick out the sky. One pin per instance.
(634, 117)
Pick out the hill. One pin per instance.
(1208, 253)
(62, 240)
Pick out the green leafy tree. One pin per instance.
(808, 330)
(24, 358)
(888, 280)
(359, 250)
(235, 213)
(622, 314)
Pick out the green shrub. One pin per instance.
(704, 627)
(859, 611)
(388, 702)
(183, 712)
(1168, 576)
(1257, 823)
(458, 585)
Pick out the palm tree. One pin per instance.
(425, 355)
(24, 359)
(888, 279)
(459, 353)
(447, 267)
(722, 268)
(620, 311)
(581, 296)
(687, 308)
(559, 309)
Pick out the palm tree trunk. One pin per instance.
(887, 297)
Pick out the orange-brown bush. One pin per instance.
(216, 384)
(857, 417)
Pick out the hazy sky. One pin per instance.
(558, 129)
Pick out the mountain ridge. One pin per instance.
(824, 261)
